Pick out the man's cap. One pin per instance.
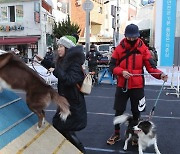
(132, 30)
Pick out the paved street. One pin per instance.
(100, 117)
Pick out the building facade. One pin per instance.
(25, 25)
(97, 22)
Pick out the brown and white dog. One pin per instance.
(15, 74)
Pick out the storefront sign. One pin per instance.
(37, 12)
(37, 17)
(168, 32)
(6, 28)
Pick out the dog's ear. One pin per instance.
(146, 126)
(4, 59)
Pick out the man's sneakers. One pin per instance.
(113, 139)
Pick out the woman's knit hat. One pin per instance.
(67, 41)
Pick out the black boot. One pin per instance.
(71, 136)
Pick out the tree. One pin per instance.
(65, 28)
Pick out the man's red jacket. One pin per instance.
(134, 64)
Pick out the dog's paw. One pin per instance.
(124, 148)
(37, 128)
(43, 121)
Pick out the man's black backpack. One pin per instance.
(154, 54)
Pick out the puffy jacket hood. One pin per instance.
(74, 54)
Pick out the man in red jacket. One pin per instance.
(127, 63)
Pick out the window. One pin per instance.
(11, 13)
(3, 14)
(19, 13)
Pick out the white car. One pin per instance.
(104, 48)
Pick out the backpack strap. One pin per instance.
(127, 55)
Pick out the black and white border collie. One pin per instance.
(141, 132)
(147, 136)
(129, 134)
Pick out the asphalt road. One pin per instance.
(100, 117)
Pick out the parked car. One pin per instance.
(105, 50)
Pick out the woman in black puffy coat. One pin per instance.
(68, 70)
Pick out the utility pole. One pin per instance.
(117, 22)
(115, 12)
(87, 6)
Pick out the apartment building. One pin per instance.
(97, 16)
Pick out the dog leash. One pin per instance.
(125, 89)
(32, 60)
(152, 111)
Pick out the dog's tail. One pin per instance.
(121, 119)
(62, 103)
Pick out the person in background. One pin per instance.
(112, 49)
(127, 63)
(93, 56)
(110, 53)
(49, 54)
(15, 51)
(68, 71)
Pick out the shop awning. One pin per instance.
(18, 40)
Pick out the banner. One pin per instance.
(168, 32)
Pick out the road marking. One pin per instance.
(110, 114)
(158, 117)
(110, 150)
(165, 100)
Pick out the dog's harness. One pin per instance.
(152, 111)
